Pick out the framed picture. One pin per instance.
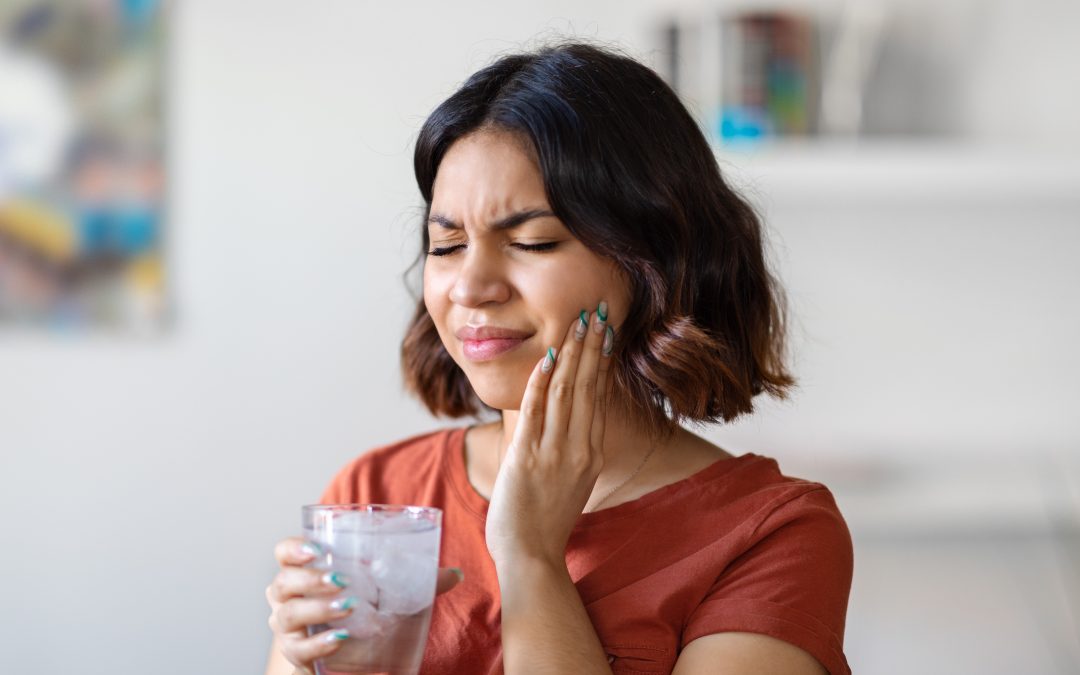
(82, 165)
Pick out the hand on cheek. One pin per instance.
(553, 460)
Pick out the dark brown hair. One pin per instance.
(630, 174)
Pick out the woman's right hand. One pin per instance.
(300, 597)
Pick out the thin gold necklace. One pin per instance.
(625, 481)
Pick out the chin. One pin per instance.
(498, 393)
(501, 404)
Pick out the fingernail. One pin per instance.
(459, 573)
(342, 604)
(601, 317)
(582, 327)
(549, 360)
(336, 578)
(310, 548)
(609, 341)
(338, 636)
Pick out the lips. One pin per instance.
(483, 343)
(490, 333)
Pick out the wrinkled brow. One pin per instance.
(505, 223)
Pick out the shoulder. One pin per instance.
(785, 512)
(788, 499)
(750, 487)
(755, 483)
(382, 469)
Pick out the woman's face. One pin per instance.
(488, 211)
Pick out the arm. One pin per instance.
(544, 482)
(740, 653)
(545, 628)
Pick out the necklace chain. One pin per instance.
(625, 481)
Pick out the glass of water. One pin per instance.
(390, 555)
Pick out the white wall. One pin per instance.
(145, 481)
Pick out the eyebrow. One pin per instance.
(505, 223)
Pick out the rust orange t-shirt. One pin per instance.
(735, 547)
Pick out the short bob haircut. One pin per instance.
(629, 173)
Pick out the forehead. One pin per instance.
(486, 174)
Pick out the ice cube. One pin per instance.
(362, 623)
(399, 523)
(406, 581)
(351, 537)
(361, 582)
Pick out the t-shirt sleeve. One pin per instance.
(331, 494)
(347, 486)
(792, 583)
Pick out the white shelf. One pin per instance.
(898, 170)
(952, 495)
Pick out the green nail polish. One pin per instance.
(338, 579)
(459, 573)
(582, 326)
(310, 548)
(338, 636)
(549, 360)
(340, 605)
(609, 341)
(601, 310)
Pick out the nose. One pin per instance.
(480, 280)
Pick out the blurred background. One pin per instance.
(206, 209)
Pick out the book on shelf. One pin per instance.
(752, 75)
(768, 76)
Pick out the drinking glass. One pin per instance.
(390, 556)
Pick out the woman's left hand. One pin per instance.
(556, 453)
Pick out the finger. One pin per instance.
(531, 414)
(448, 578)
(560, 392)
(299, 613)
(603, 390)
(585, 384)
(294, 582)
(320, 645)
(296, 551)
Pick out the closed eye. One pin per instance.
(446, 250)
(546, 246)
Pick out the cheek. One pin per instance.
(555, 298)
(574, 290)
(435, 284)
(435, 300)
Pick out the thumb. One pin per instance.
(448, 578)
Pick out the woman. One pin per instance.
(590, 276)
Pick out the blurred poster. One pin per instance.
(82, 173)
